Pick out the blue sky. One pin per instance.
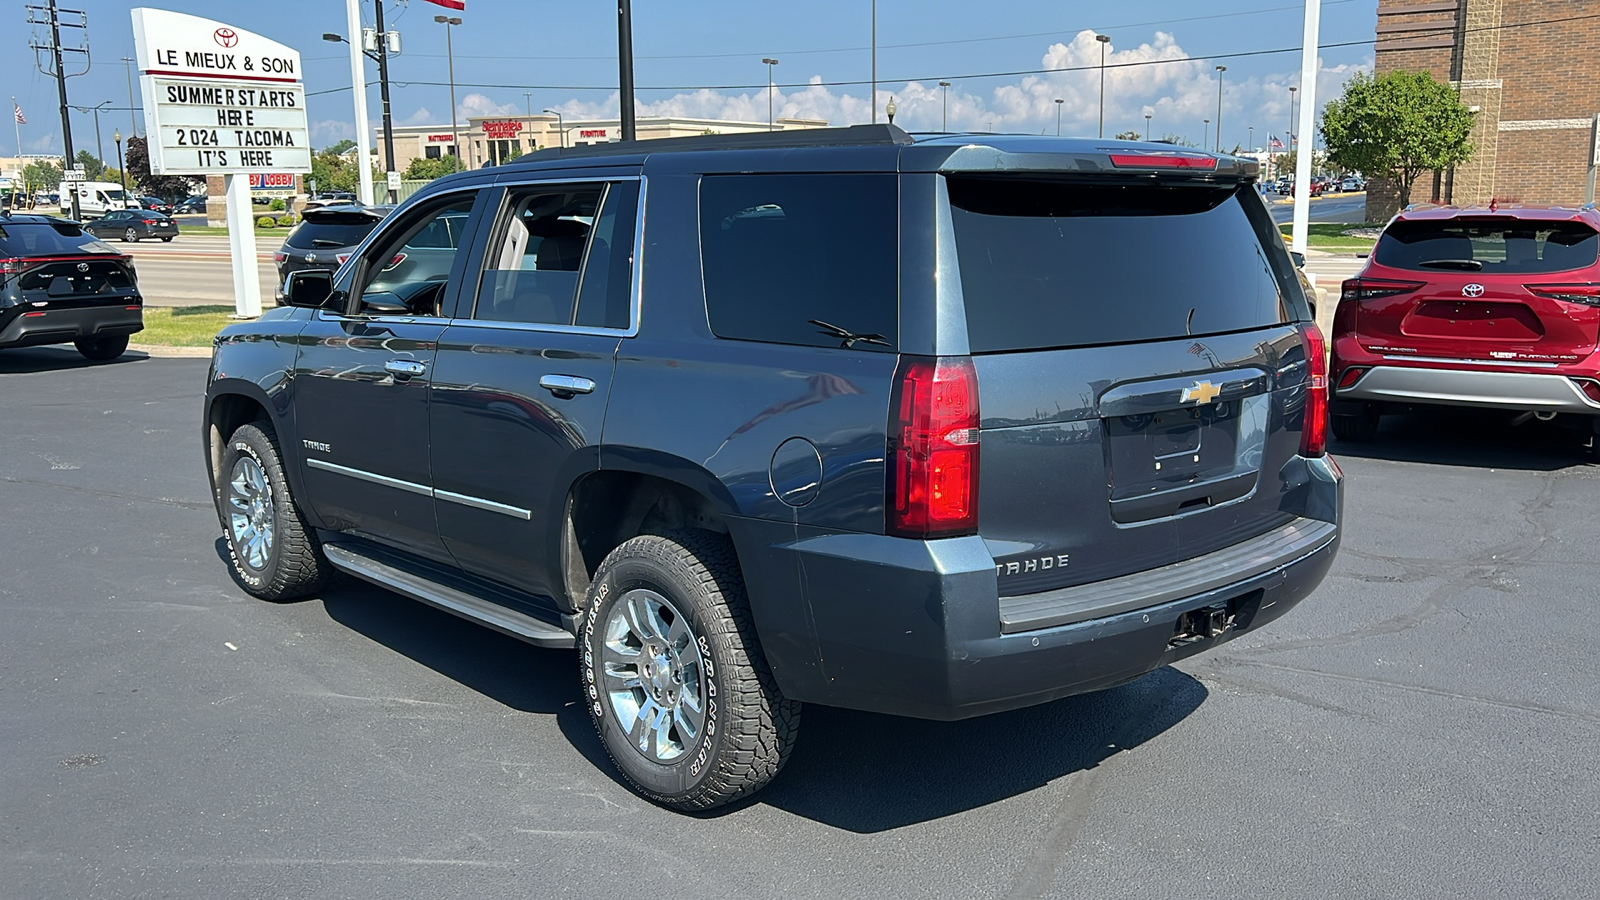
(707, 54)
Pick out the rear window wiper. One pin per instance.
(1470, 265)
(849, 338)
(325, 242)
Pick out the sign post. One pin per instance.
(220, 100)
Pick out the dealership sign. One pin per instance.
(219, 99)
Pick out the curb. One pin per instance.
(158, 351)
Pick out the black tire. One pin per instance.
(102, 349)
(130, 236)
(289, 564)
(166, 240)
(1359, 427)
(747, 728)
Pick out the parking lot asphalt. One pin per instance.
(1426, 725)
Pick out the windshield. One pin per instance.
(1511, 246)
(1069, 264)
(116, 194)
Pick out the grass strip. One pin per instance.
(182, 326)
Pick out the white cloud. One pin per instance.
(1157, 77)
(331, 131)
(476, 104)
(423, 116)
(45, 143)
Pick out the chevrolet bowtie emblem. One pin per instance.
(1202, 393)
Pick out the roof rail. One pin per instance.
(852, 136)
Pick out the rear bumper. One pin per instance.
(916, 628)
(61, 326)
(1459, 387)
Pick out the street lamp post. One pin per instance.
(1220, 70)
(99, 144)
(381, 57)
(133, 123)
(1289, 145)
(1147, 126)
(1059, 103)
(944, 106)
(122, 170)
(890, 110)
(770, 62)
(625, 66)
(1205, 132)
(1104, 39)
(561, 123)
(449, 23)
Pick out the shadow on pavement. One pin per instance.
(51, 358)
(860, 772)
(1473, 438)
(867, 773)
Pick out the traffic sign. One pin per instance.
(75, 173)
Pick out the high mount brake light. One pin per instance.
(1314, 433)
(1160, 160)
(1372, 288)
(1587, 294)
(933, 449)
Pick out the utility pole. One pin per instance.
(133, 121)
(51, 16)
(872, 99)
(625, 65)
(383, 94)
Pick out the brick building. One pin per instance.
(1527, 68)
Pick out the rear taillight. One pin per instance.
(1351, 376)
(1373, 288)
(280, 256)
(10, 266)
(342, 257)
(1590, 388)
(1314, 433)
(1587, 294)
(397, 260)
(151, 221)
(933, 449)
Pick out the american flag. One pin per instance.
(1275, 144)
(16, 112)
(450, 4)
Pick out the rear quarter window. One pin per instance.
(784, 252)
(1500, 245)
(1053, 264)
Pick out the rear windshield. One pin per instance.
(312, 234)
(1058, 264)
(25, 239)
(1499, 245)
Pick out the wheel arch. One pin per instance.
(232, 403)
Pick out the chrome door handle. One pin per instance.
(404, 368)
(567, 384)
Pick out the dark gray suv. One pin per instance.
(931, 427)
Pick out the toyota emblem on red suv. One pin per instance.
(225, 37)
(1472, 290)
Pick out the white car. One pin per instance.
(1352, 184)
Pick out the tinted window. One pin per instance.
(1501, 245)
(606, 291)
(39, 239)
(783, 252)
(531, 273)
(1054, 264)
(311, 234)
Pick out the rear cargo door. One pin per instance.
(1495, 289)
(1140, 371)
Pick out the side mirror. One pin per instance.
(308, 289)
(1299, 259)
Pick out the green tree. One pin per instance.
(342, 147)
(423, 169)
(41, 175)
(1397, 125)
(138, 162)
(93, 168)
(1129, 136)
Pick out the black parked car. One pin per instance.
(191, 206)
(156, 204)
(59, 285)
(932, 427)
(133, 225)
(325, 238)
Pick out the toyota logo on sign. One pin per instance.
(1472, 290)
(225, 37)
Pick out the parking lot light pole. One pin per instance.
(1104, 39)
(1147, 126)
(1059, 103)
(944, 106)
(561, 124)
(122, 170)
(449, 23)
(1220, 70)
(770, 62)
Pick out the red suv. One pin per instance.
(1495, 307)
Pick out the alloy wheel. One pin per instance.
(654, 677)
(252, 518)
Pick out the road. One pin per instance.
(196, 270)
(1427, 725)
(1351, 208)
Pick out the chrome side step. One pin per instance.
(449, 599)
